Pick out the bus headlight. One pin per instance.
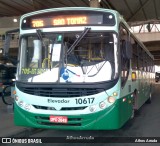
(27, 107)
(20, 103)
(93, 108)
(102, 105)
(16, 98)
(111, 99)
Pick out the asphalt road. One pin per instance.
(145, 124)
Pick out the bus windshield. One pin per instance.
(51, 57)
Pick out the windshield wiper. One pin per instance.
(51, 54)
(39, 34)
(78, 40)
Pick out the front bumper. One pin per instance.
(106, 119)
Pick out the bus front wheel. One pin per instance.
(132, 115)
(133, 104)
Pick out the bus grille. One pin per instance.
(60, 92)
(62, 109)
(58, 124)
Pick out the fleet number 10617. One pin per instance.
(84, 100)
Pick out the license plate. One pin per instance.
(58, 119)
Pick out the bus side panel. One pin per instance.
(144, 89)
(142, 86)
(126, 101)
(125, 108)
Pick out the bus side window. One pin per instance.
(135, 54)
(125, 63)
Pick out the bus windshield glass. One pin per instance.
(68, 57)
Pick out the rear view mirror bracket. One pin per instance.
(6, 46)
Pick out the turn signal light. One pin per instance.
(14, 92)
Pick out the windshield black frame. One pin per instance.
(63, 56)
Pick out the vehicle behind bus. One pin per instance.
(7, 75)
(157, 76)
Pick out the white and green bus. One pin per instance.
(80, 68)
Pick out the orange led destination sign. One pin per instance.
(37, 23)
(58, 21)
(68, 18)
(70, 21)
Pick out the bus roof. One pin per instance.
(68, 9)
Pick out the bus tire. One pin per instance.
(6, 95)
(149, 100)
(133, 112)
(133, 104)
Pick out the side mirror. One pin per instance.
(6, 45)
(127, 49)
